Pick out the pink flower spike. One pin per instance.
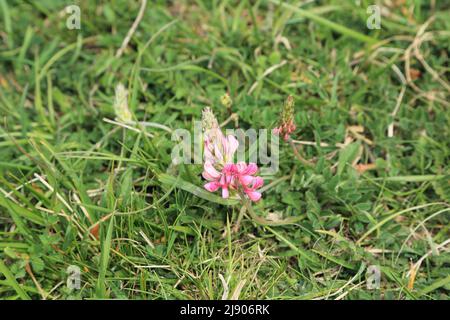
(219, 168)
(286, 125)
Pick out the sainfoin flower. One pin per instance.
(287, 124)
(234, 177)
(219, 168)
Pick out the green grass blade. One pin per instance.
(12, 281)
(104, 261)
(327, 23)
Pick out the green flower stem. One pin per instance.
(239, 219)
(299, 156)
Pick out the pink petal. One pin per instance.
(207, 176)
(229, 167)
(251, 169)
(212, 186)
(222, 180)
(208, 155)
(292, 127)
(241, 167)
(246, 180)
(233, 144)
(210, 171)
(225, 193)
(254, 195)
(258, 183)
(217, 150)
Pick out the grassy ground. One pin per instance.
(77, 190)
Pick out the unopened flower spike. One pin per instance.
(209, 120)
(286, 125)
(121, 104)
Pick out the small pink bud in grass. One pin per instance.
(286, 125)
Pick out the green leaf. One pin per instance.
(104, 261)
(437, 284)
(195, 190)
(347, 155)
(21, 211)
(11, 280)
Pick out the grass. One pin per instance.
(372, 113)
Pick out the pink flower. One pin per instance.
(234, 177)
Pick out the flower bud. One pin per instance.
(286, 125)
(121, 104)
(226, 101)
